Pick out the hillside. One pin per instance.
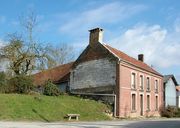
(46, 108)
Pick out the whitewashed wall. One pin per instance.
(170, 93)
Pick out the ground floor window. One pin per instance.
(133, 102)
(156, 103)
(148, 102)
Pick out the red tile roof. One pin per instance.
(59, 73)
(178, 88)
(131, 60)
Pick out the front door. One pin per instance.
(141, 105)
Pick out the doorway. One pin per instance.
(141, 105)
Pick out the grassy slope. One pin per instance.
(26, 107)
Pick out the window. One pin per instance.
(156, 103)
(156, 85)
(133, 102)
(148, 84)
(148, 102)
(133, 80)
(141, 82)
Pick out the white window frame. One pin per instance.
(141, 82)
(149, 83)
(135, 101)
(156, 88)
(134, 79)
(149, 102)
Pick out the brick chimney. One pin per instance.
(96, 36)
(141, 57)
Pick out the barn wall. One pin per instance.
(94, 75)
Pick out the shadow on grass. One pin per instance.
(41, 116)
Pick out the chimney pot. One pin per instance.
(141, 57)
(96, 36)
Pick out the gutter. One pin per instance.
(96, 94)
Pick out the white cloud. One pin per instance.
(108, 13)
(160, 46)
(2, 43)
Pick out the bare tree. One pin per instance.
(62, 54)
(24, 53)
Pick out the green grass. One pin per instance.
(27, 107)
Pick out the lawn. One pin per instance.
(45, 108)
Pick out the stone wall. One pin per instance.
(95, 75)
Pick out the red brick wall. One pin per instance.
(124, 92)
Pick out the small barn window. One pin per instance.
(133, 102)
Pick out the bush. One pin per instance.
(3, 82)
(169, 112)
(177, 113)
(20, 84)
(51, 89)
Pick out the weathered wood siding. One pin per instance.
(93, 74)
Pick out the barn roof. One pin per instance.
(167, 77)
(56, 74)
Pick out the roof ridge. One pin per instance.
(50, 69)
(130, 59)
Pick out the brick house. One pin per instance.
(101, 69)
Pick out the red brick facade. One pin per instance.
(125, 91)
(126, 66)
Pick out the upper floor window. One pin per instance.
(133, 80)
(148, 84)
(141, 82)
(156, 85)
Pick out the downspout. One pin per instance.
(118, 84)
(96, 94)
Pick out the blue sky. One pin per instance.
(133, 26)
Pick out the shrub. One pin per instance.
(51, 89)
(177, 113)
(3, 82)
(20, 84)
(168, 112)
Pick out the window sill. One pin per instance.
(148, 90)
(148, 110)
(133, 111)
(133, 89)
(141, 90)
